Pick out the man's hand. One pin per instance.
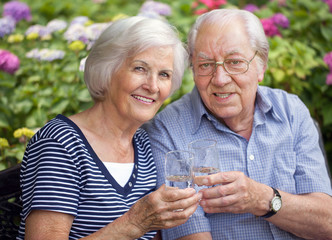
(234, 193)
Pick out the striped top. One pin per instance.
(61, 172)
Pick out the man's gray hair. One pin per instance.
(222, 17)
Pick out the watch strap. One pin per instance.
(271, 212)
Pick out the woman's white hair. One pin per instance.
(222, 17)
(125, 38)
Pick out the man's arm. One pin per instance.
(305, 215)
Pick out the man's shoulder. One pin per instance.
(279, 97)
(176, 109)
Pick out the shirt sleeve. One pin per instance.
(311, 174)
(49, 179)
(161, 143)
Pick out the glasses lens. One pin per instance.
(206, 68)
(236, 66)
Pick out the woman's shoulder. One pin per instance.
(56, 129)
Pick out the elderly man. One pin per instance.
(273, 182)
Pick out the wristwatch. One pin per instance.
(275, 204)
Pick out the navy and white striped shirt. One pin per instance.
(61, 172)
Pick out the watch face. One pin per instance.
(276, 204)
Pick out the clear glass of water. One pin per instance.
(179, 169)
(206, 157)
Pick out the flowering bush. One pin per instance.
(43, 46)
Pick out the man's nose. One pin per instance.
(221, 76)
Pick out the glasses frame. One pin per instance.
(222, 64)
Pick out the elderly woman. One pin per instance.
(92, 175)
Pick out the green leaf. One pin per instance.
(59, 107)
(327, 115)
(278, 74)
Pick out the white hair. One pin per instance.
(222, 17)
(125, 38)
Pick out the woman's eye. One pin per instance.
(164, 75)
(139, 69)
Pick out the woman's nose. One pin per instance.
(151, 83)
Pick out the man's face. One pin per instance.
(228, 97)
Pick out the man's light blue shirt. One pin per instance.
(283, 152)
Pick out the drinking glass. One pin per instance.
(206, 157)
(179, 169)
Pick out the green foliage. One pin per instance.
(39, 89)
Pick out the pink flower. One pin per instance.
(8, 62)
(270, 28)
(328, 59)
(203, 6)
(329, 79)
(213, 4)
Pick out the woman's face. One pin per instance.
(142, 84)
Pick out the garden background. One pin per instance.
(43, 45)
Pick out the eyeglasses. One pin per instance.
(232, 66)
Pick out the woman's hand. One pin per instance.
(164, 208)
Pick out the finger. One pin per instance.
(219, 202)
(218, 178)
(219, 191)
(185, 203)
(171, 194)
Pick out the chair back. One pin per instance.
(10, 203)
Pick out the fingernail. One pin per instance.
(200, 195)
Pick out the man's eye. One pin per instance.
(206, 65)
(234, 62)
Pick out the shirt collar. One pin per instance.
(263, 105)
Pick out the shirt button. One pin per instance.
(136, 166)
(251, 157)
(134, 175)
(130, 184)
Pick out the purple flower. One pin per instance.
(75, 32)
(39, 29)
(8, 62)
(7, 26)
(79, 20)
(280, 20)
(157, 7)
(270, 28)
(56, 25)
(328, 59)
(251, 7)
(17, 10)
(45, 54)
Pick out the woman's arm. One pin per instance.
(153, 212)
